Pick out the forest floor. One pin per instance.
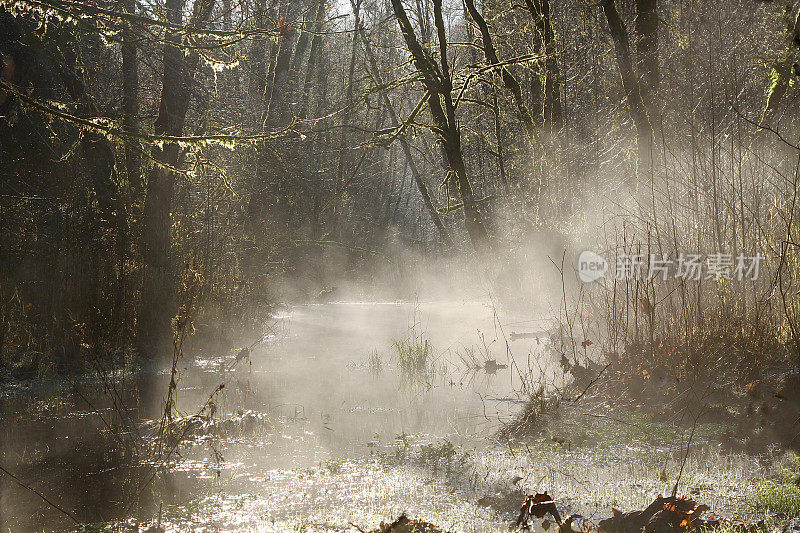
(588, 464)
(334, 426)
(588, 467)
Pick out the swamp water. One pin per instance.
(344, 413)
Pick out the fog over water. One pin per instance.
(326, 383)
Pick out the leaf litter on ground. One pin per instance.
(670, 514)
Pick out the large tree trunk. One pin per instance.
(226, 14)
(302, 47)
(630, 84)
(99, 157)
(540, 12)
(278, 111)
(258, 62)
(130, 101)
(437, 80)
(646, 28)
(98, 154)
(268, 202)
(313, 61)
(157, 307)
(266, 197)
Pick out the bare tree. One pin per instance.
(130, 100)
(342, 158)
(395, 121)
(540, 12)
(507, 77)
(782, 67)
(647, 57)
(157, 305)
(310, 21)
(278, 110)
(630, 83)
(437, 80)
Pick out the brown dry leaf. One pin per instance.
(537, 506)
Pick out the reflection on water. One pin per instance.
(324, 366)
(325, 385)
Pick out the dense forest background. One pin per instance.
(227, 155)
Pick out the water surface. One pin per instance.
(324, 386)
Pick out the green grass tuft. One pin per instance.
(414, 353)
(783, 498)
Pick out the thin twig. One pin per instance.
(40, 495)
(599, 375)
(685, 456)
